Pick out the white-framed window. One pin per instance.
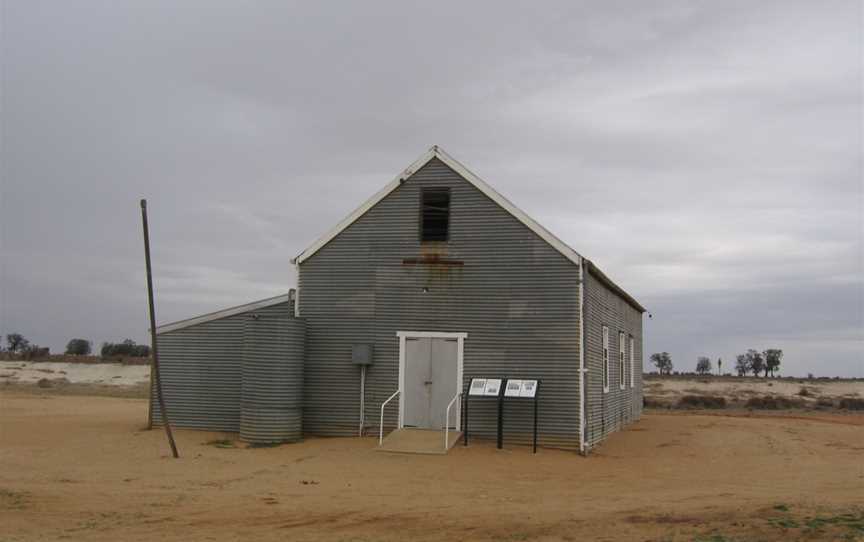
(622, 366)
(605, 359)
(632, 361)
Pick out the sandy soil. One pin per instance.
(82, 468)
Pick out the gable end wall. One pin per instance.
(514, 294)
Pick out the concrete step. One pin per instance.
(409, 440)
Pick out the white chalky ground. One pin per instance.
(115, 374)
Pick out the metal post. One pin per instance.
(501, 413)
(465, 418)
(155, 374)
(362, 398)
(535, 423)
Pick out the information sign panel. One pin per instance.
(493, 387)
(513, 389)
(478, 386)
(528, 389)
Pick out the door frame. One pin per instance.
(460, 358)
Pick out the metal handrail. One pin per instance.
(381, 423)
(447, 421)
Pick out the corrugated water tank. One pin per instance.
(272, 379)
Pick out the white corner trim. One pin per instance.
(297, 291)
(239, 309)
(455, 165)
(401, 380)
(582, 369)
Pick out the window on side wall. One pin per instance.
(605, 359)
(435, 214)
(622, 366)
(632, 361)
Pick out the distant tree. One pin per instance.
(703, 365)
(78, 347)
(127, 348)
(663, 362)
(773, 356)
(755, 361)
(34, 351)
(719, 366)
(17, 343)
(742, 365)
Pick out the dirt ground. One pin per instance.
(82, 468)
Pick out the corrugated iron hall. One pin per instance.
(434, 280)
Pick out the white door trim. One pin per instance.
(431, 335)
(460, 358)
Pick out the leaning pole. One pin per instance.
(155, 375)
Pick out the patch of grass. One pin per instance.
(781, 507)
(702, 401)
(12, 500)
(854, 522)
(786, 523)
(221, 443)
(712, 538)
(264, 444)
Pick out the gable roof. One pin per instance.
(437, 152)
(477, 182)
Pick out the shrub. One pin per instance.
(825, 402)
(127, 348)
(702, 401)
(772, 402)
(851, 403)
(650, 402)
(804, 392)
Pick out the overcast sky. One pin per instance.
(706, 155)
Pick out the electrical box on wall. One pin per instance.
(361, 354)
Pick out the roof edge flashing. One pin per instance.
(224, 313)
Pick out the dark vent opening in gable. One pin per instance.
(435, 220)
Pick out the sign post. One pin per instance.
(511, 388)
(523, 389)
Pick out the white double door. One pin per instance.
(431, 379)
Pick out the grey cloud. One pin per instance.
(707, 155)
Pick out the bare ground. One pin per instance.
(82, 468)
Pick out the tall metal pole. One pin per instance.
(155, 374)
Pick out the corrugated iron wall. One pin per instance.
(202, 371)
(515, 296)
(608, 412)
